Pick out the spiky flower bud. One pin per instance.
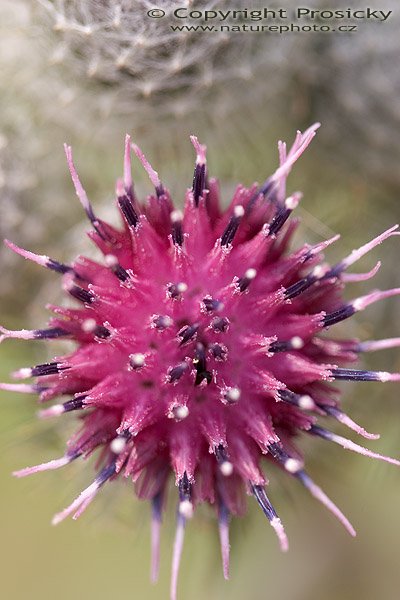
(201, 346)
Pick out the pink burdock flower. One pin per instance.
(201, 347)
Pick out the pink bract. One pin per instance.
(201, 346)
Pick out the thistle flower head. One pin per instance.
(201, 346)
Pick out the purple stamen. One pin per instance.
(233, 226)
(364, 375)
(269, 511)
(128, 211)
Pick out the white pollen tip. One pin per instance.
(176, 216)
(111, 260)
(306, 402)
(226, 468)
(53, 411)
(186, 509)
(280, 532)
(182, 287)
(296, 342)
(118, 445)
(358, 304)
(181, 412)
(137, 359)
(22, 373)
(385, 376)
(233, 394)
(238, 211)
(89, 325)
(292, 202)
(250, 274)
(318, 271)
(292, 465)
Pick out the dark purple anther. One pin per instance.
(128, 211)
(187, 333)
(303, 401)
(279, 220)
(161, 322)
(50, 334)
(175, 290)
(177, 231)
(267, 190)
(175, 373)
(74, 404)
(185, 488)
(106, 473)
(233, 225)
(112, 262)
(120, 273)
(199, 182)
(80, 294)
(54, 265)
(341, 314)
(200, 363)
(244, 282)
(279, 347)
(51, 368)
(220, 324)
(221, 454)
(262, 499)
(300, 286)
(361, 375)
(218, 351)
(101, 332)
(160, 191)
(212, 305)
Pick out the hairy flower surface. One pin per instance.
(201, 347)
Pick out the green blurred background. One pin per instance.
(350, 186)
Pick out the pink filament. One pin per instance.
(176, 556)
(127, 164)
(80, 192)
(87, 494)
(349, 445)
(276, 524)
(155, 548)
(200, 150)
(317, 492)
(48, 466)
(153, 175)
(355, 277)
(225, 546)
